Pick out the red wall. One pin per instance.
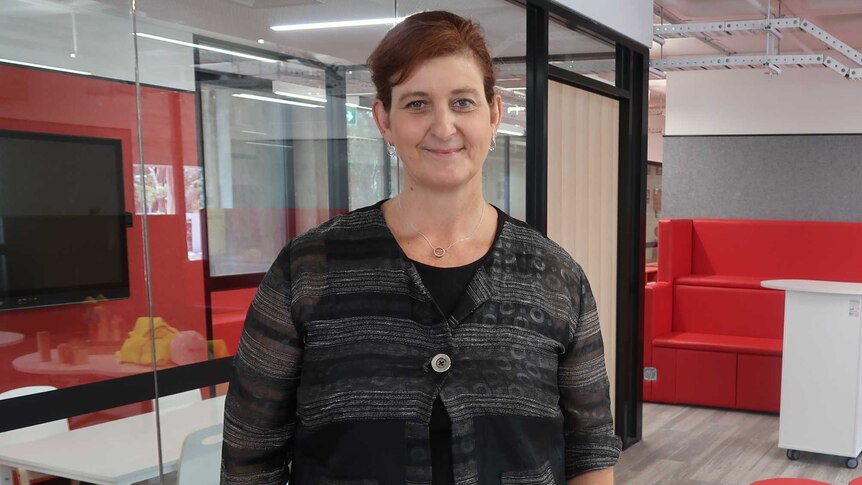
(44, 101)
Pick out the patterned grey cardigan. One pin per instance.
(334, 371)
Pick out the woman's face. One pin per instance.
(441, 123)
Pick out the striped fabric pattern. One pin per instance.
(333, 369)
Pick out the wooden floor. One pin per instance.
(685, 445)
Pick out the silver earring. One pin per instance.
(392, 152)
(493, 143)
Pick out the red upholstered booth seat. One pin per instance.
(712, 333)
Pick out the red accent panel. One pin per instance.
(232, 300)
(722, 281)
(779, 249)
(229, 309)
(720, 343)
(706, 378)
(674, 248)
(664, 387)
(728, 311)
(758, 385)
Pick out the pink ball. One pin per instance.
(188, 347)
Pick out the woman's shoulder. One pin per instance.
(367, 220)
(528, 241)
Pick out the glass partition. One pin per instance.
(74, 193)
(581, 53)
(154, 158)
(285, 139)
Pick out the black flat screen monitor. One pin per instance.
(62, 220)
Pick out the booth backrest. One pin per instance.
(770, 249)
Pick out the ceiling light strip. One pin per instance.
(206, 47)
(338, 24)
(276, 100)
(300, 96)
(353, 105)
(42, 66)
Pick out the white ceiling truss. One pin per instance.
(770, 61)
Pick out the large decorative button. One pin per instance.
(441, 363)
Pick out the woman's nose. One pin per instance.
(443, 125)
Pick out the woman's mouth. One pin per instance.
(444, 152)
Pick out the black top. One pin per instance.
(446, 286)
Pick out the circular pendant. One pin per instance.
(439, 252)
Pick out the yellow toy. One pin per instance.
(136, 349)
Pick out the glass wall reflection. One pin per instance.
(74, 193)
(152, 164)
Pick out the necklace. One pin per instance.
(441, 251)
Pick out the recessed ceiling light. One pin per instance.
(261, 41)
(334, 25)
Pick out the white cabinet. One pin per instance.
(821, 380)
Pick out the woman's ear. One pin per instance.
(381, 118)
(496, 112)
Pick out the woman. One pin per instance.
(429, 338)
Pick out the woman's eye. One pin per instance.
(464, 103)
(415, 105)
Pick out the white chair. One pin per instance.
(200, 458)
(30, 433)
(178, 400)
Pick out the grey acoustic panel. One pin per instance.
(783, 177)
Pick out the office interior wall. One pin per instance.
(790, 177)
(734, 102)
(583, 164)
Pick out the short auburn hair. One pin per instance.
(424, 36)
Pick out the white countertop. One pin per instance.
(815, 286)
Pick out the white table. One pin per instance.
(97, 364)
(10, 338)
(821, 379)
(118, 452)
